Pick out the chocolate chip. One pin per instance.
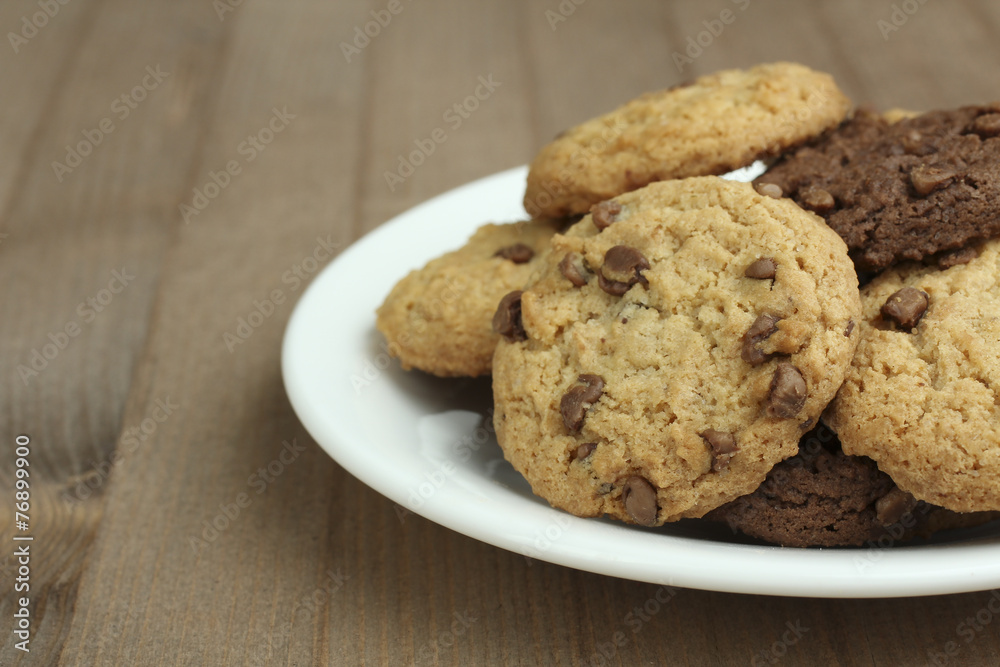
(788, 392)
(605, 213)
(772, 190)
(573, 269)
(906, 307)
(623, 266)
(926, 179)
(578, 399)
(640, 500)
(507, 319)
(816, 199)
(594, 385)
(913, 143)
(723, 447)
(891, 507)
(517, 253)
(955, 257)
(583, 451)
(611, 287)
(987, 125)
(849, 329)
(759, 331)
(764, 268)
(624, 263)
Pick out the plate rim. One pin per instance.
(966, 569)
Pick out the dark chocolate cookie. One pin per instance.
(822, 497)
(905, 190)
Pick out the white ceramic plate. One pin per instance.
(426, 443)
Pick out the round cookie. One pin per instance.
(677, 343)
(437, 319)
(898, 188)
(715, 124)
(822, 497)
(922, 396)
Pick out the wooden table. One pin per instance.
(169, 165)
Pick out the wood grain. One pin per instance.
(317, 568)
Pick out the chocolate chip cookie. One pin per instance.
(922, 396)
(822, 497)
(712, 125)
(438, 318)
(675, 346)
(903, 190)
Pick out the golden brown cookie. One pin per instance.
(675, 346)
(922, 396)
(713, 125)
(437, 319)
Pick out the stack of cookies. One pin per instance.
(696, 347)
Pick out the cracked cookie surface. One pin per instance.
(922, 396)
(632, 384)
(437, 318)
(903, 190)
(713, 125)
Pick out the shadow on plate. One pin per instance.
(430, 393)
(434, 395)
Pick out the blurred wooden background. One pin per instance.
(274, 122)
